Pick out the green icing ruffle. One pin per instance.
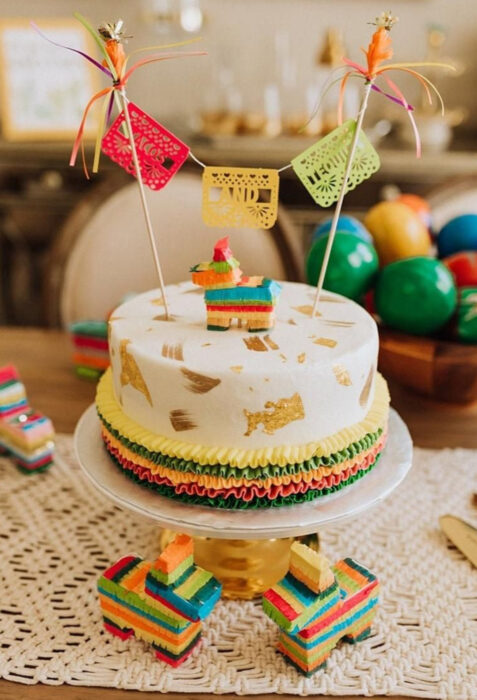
(233, 503)
(226, 471)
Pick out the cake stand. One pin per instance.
(247, 550)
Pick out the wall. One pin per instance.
(241, 32)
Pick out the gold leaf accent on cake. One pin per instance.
(255, 343)
(250, 388)
(342, 375)
(306, 310)
(271, 343)
(365, 391)
(277, 414)
(327, 342)
(199, 383)
(266, 379)
(291, 322)
(130, 372)
(301, 358)
(158, 302)
(205, 345)
(338, 324)
(237, 368)
(180, 420)
(173, 352)
(283, 357)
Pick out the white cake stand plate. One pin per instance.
(260, 524)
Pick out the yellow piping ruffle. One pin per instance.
(112, 412)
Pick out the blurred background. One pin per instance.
(248, 102)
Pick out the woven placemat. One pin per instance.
(57, 534)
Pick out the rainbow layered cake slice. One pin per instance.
(25, 434)
(90, 340)
(285, 414)
(315, 606)
(161, 602)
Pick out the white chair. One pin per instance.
(104, 252)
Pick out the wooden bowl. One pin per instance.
(443, 370)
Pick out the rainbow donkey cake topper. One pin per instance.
(229, 294)
(316, 605)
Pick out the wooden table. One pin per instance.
(43, 359)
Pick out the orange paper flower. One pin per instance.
(379, 50)
(116, 53)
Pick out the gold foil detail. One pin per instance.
(306, 310)
(237, 368)
(173, 352)
(199, 383)
(206, 345)
(364, 396)
(271, 343)
(328, 342)
(180, 420)
(130, 372)
(339, 324)
(301, 358)
(283, 357)
(291, 322)
(158, 302)
(162, 317)
(277, 414)
(255, 343)
(342, 375)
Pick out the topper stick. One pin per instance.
(339, 204)
(145, 208)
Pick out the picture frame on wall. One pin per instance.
(44, 88)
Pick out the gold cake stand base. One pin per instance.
(245, 568)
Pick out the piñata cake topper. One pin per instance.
(317, 605)
(142, 146)
(240, 197)
(345, 158)
(230, 295)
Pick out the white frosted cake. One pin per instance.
(238, 419)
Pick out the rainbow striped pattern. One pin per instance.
(229, 295)
(91, 354)
(316, 606)
(25, 435)
(161, 602)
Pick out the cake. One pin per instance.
(241, 419)
(316, 605)
(161, 602)
(25, 434)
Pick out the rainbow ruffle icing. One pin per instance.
(161, 602)
(25, 435)
(91, 355)
(178, 470)
(315, 606)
